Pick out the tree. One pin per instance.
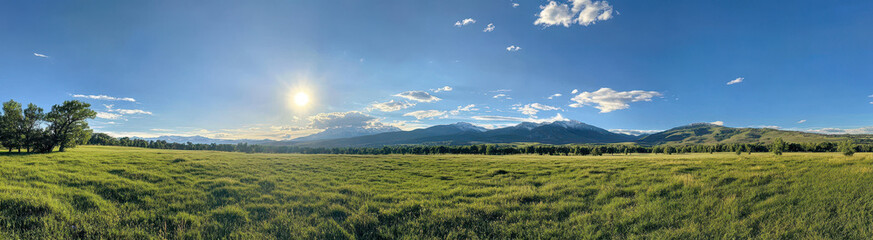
(30, 126)
(12, 126)
(68, 125)
(847, 148)
(778, 146)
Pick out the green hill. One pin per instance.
(705, 133)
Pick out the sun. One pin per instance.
(301, 99)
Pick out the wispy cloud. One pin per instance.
(514, 5)
(489, 28)
(501, 95)
(420, 96)
(608, 100)
(534, 108)
(442, 89)
(574, 91)
(634, 132)
(465, 22)
(735, 81)
(860, 130)
(513, 48)
(468, 108)
(104, 97)
(131, 111)
(720, 123)
(106, 115)
(802, 121)
(40, 55)
(582, 12)
(390, 106)
(555, 95)
(557, 117)
(425, 114)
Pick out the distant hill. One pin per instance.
(705, 133)
(346, 132)
(559, 132)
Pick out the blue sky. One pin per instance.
(230, 69)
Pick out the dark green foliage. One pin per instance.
(847, 148)
(778, 146)
(66, 126)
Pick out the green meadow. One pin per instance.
(93, 192)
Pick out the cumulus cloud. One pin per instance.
(515, 5)
(489, 28)
(582, 12)
(608, 100)
(40, 55)
(106, 115)
(390, 106)
(513, 48)
(720, 123)
(420, 96)
(557, 117)
(534, 108)
(425, 114)
(442, 89)
(468, 108)
(555, 95)
(104, 97)
(735, 81)
(341, 119)
(465, 22)
(574, 91)
(802, 121)
(634, 132)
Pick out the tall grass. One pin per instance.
(96, 192)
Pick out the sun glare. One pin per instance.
(301, 99)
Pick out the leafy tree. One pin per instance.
(847, 148)
(739, 151)
(30, 126)
(68, 125)
(778, 146)
(12, 121)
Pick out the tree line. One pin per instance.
(492, 149)
(33, 130)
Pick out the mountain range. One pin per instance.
(558, 132)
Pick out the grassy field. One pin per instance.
(130, 193)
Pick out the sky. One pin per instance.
(242, 69)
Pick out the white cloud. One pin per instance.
(465, 22)
(735, 81)
(802, 121)
(555, 95)
(106, 115)
(634, 132)
(515, 5)
(861, 130)
(40, 55)
(720, 123)
(467, 108)
(340, 119)
(534, 108)
(104, 97)
(442, 89)
(130, 111)
(160, 130)
(422, 114)
(501, 95)
(390, 106)
(513, 48)
(489, 28)
(608, 100)
(557, 117)
(574, 91)
(583, 12)
(420, 96)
